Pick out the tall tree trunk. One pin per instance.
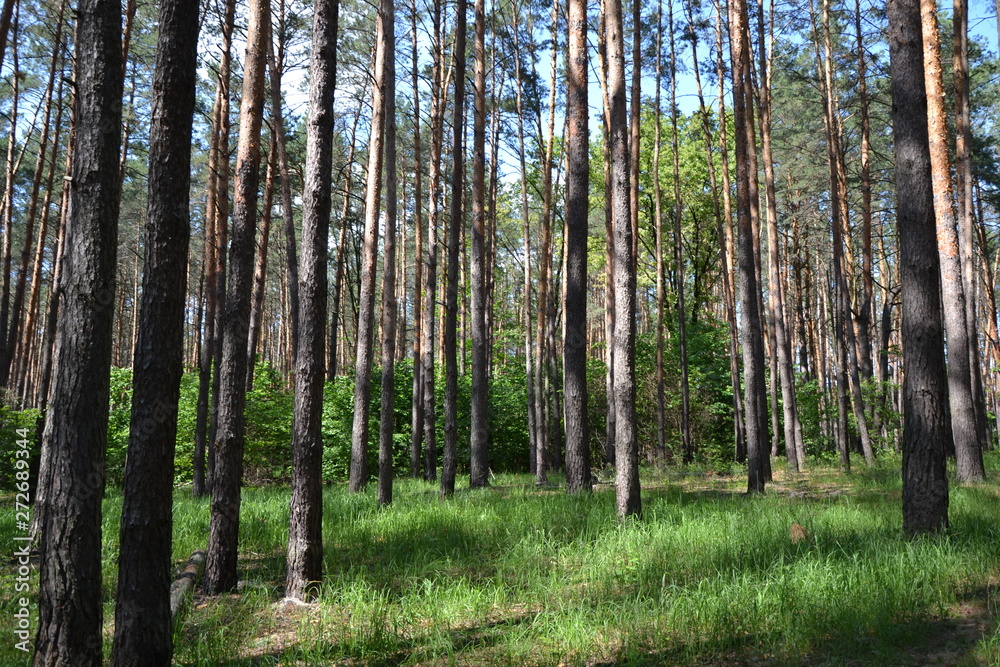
(575, 295)
(417, 423)
(687, 443)
(727, 245)
(628, 499)
(542, 384)
(450, 347)
(70, 599)
(389, 307)
(925, 426)
(221, 561)
(661, 295)
(609, 251)
(431, 277)
(864, 311)
(479, 427)
(526, 225)
(143, 623)
(782, 350)
(216, 212)
(369, 256)
(968, 455)
(965, 214)
(305, 534)
(220, 214)
(754, 404)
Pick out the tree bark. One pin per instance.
(143, 623)
(70, 598)
(754, 401)
(450, 347)
(925, 425)
(479, 427)
(389, 307)
(305, 534)
(687, 443)
(578, 477)
(782, 350)
(221, 560)
(369, 257)
(417, 423)
(968, 455)
(964, 185)
(526, 225)
(628, 500)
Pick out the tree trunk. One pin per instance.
(219, 201)
(968, 455)
(479, 427)
(661, 296)
(221, 561)
(70, 598)
(526, 225)
(686, 441)
(782, 349)
(143, 623)
(417, 423)
(575, 295)
(305, 534)
(755, 408)
(369, 257)
(389, 307)
(964, 184)
(450, 347)
(925, 425)
(628, 499)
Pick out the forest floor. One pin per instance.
(813, 573)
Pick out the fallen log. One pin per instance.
(185, 582)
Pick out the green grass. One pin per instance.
(512, 575)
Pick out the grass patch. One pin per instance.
(516, 575)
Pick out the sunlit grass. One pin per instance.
(515, 575)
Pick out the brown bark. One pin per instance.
(417, 422)
(389, 307)
(782, 348)
(968, 454)
(686, 437)
(575, 295)
(749, 293)
(143, 622)
(628, 500)
(479, 426)
(70, 598)
(369, 256)
(925, 426)
(526, 225)
(305, 535)
(449, 452)
(221, 562)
